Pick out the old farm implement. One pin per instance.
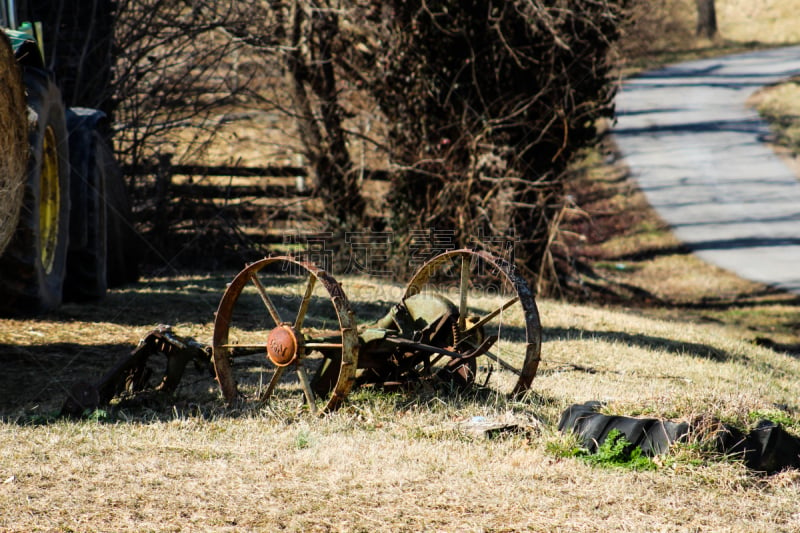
(285, 328)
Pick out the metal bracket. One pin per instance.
(130, 374)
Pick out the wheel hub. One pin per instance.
(283, 346)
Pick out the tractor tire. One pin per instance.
(33, 266)
(86, 260)
(13, 142)
(124, 242)
(103, 249)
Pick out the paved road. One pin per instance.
(698, 154)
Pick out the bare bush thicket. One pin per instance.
(174, 69)
(488, 102)
(186, 66)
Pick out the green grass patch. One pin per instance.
(616, 451)
(304, 439)
(773, 415)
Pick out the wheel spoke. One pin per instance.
(241, 350)
(265, 298)
(303, 375)
(507, 366)
(265, 396)
(261, 346)
(323, 345)
(482, 322)
(463, 290)
(301, 313)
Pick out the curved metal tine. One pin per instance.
(265, 396)
(463, 290)
(493, 314)
(301, 313)
(273, 312)
(504, 364)
(303, 375)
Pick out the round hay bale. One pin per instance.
(13, 141)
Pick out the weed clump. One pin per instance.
(616, 451)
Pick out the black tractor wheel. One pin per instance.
(33, 266)
(103, 250)
(124, 242)
(86, 262)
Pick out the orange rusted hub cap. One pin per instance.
(282, 345)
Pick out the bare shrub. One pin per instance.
(175, 66)
(487, 103)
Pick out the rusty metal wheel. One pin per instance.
(491, 301)
(281, 314)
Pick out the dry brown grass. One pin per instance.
(780, 106)
(385, 462)
(765, 21)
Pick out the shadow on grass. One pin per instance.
(789, 349)
(150, 302)
(643, 341)
(648, 254)
(189, 300)
(36, 380)
(447, 398)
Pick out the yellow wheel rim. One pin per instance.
(49, 201)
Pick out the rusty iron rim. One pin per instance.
(533, 328)
(290, 335)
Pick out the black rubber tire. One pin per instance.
(27, 286)
(124, 242)
(86, 261)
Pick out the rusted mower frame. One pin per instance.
(426, 338)
(302, 322)
(130, 375)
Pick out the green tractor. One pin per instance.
(65, 229)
